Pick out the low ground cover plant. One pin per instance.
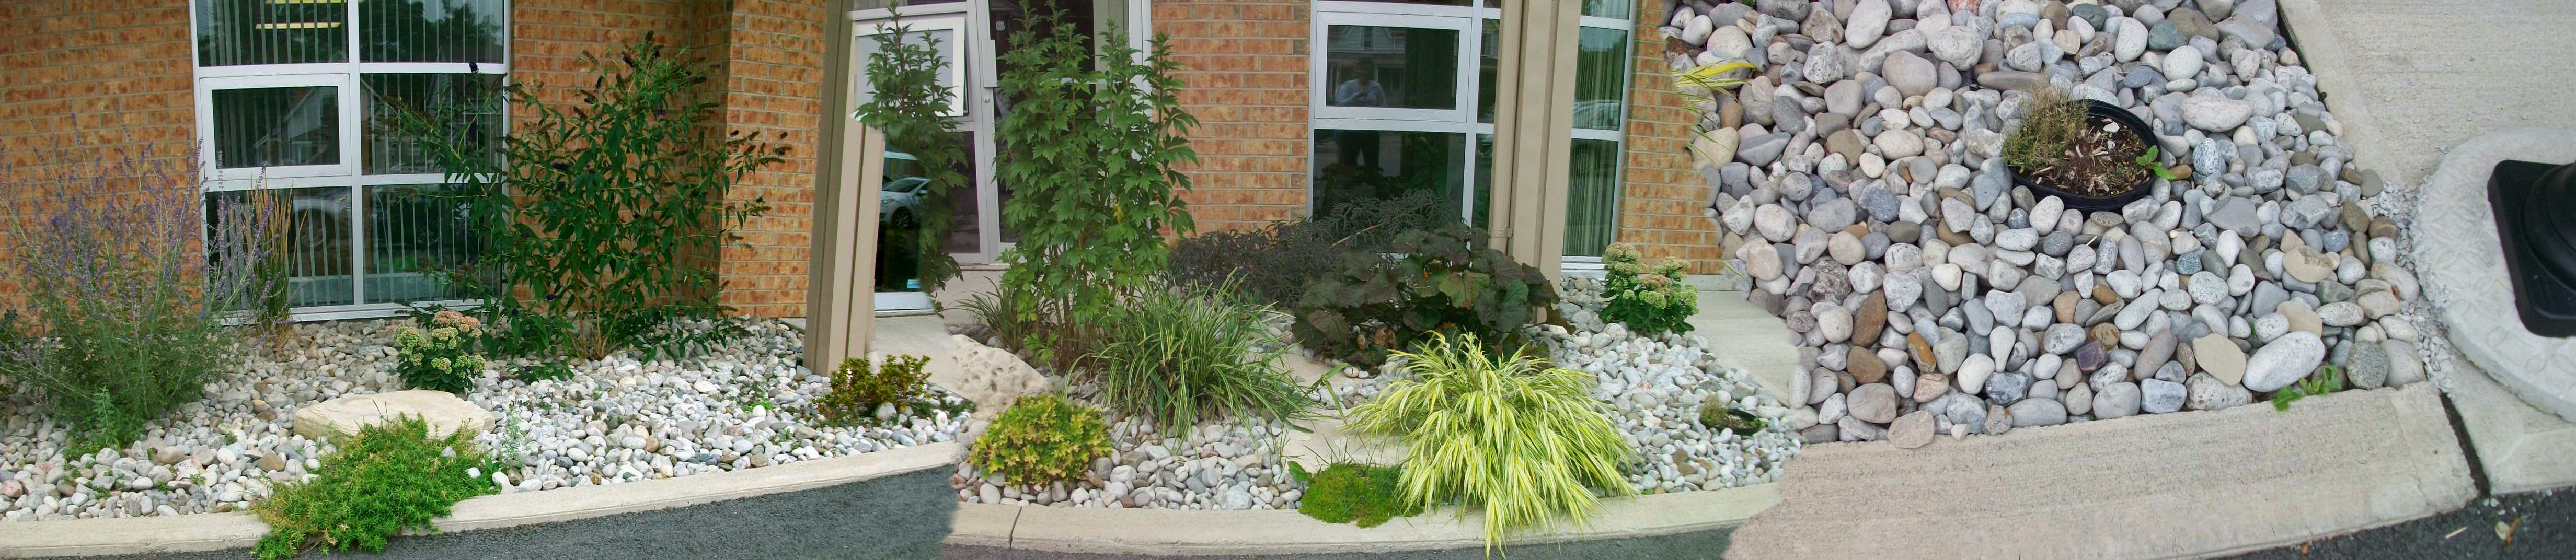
(1650, 301)
(440, 357)
(603, 217)
(1443, 280)
(1510, 436)
(1359, 494)
(388, 478)
(132, 272)
(867, 393)
(1041, 439)
(1183, 355)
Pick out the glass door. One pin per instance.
(903, 198)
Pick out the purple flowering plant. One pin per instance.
(135, 279)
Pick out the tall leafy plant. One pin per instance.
(606, 215)
(132, 271)
(911, 107)
(1094, 152)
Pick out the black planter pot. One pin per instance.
(2128, 123)
(2535, 211)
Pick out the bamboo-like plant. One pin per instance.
(1512, 436)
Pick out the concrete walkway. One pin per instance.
(2159, 486)
(2412, 79)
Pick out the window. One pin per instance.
(304, 100)
(1393, 112)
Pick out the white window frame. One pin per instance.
(957, 45)
(349, 173)
(1463, 104)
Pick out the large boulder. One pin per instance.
(344, 416)
(994, 377)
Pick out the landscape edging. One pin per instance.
(1167, 532)
(220, 531)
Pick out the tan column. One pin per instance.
(1534, 130)
(840, 300)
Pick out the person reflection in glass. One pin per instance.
(1360, 147)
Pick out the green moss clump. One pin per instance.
(1367, 495)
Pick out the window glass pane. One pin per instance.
(315, 252)
(900, 201)
(233, 32)
(945, 41)
(1622, 9)
(279, 126)
(1431, 2)
(1601, 78)
(467, 107)
(1592, 197)
(1355, 165)
(1486, 73)
(417, 235)
(1372, 66)
(430, 30)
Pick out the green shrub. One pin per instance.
(1442, 280)
(1041, 439)
(1094, 145)
(386, 479)
(1520, 440)
(859, 388)
(1274, 263)
(1366, 495)
(1180, 356)
(1650, 302)
(441, 358)
(910, 105)
(605, 216)
(130, 271)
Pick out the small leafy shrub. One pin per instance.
(2327, 379)
(2050, 123)
(386, 479)
(1519, 439)
(605, 216)
(1095, 145)
(1274, 263)
(441, 358)
(1041, 439)
(859, 388)
(1650, 302)
(1180, 356)
(1365, 495)
(1441, 281)
(130, 271)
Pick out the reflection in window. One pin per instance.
(431, 30)
(466, 108)
(1620, 9)
(1409, 67)
(942, 39)
(417, 237)
(275, 127)
(315, 251)
(1355, 165)
(1591, 198)
(232, 32)
(1601, 78)
(1490, 63)
(902, 197)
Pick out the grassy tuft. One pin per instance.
(2051, 122)
(1181, 356)
(1519, 439)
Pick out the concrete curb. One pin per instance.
(1163, 532)
(219, 531)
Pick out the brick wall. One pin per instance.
(772, 52)
(1660, 204)
(91, 77)
(1245, 79)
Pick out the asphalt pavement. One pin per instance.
(2543, 526)
(1703, 545)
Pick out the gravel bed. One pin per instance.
(743, 404)
(1859, 183)
(1657, 387)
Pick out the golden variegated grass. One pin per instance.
(1513, 437)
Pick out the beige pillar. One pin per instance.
(840, 300)
(1534, 131)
